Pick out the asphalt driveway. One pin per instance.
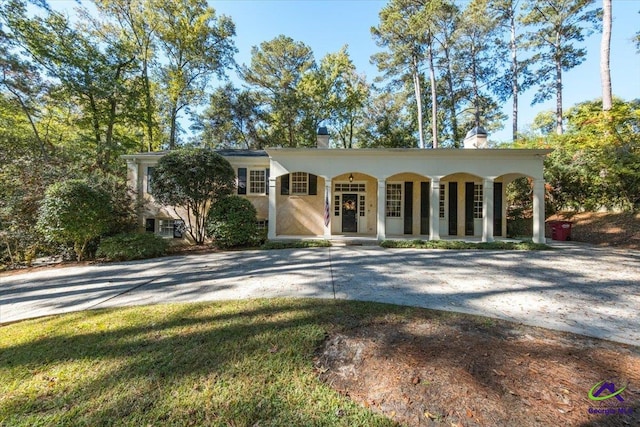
(582, 289)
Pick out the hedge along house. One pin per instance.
(377, 193)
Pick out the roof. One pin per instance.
(228, 152)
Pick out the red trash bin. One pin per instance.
(561, 230)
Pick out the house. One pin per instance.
(381, 193)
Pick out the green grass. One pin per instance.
(456, 244)
(234, 363)
(293, 244)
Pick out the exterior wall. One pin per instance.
(147, 207)
(395, 226)
(300, 215)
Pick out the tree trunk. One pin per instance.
(558, 60)
(418, 93)
(147, 94)
(172, 133)
(514, 77)
(605, 47)
(434, 101)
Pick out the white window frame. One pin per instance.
(149, 178)
(299, 181)
(165, 227)
(251, 181)
(393, 206)
(477, 200)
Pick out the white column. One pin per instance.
(382, 206)
(487, 210)
(538, 211)
(434, 209)
(327, 198)
(271, 231)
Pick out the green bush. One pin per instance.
(73, 211)
(231, 223)
(128, 246)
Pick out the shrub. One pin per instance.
(128, 246)
(231, 223)
(73, 211)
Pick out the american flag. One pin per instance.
(327, 209)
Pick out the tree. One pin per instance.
(556, 27)
(387, 123)
(337, 94)
(232, 120)
(402, 32)
(196, 45)
(193, 179)
(605, 54)
(73, 211)
(276, 69)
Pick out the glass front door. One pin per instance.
(349, 213)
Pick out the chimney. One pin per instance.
(476, 138)
(323, 138)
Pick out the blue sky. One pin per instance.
(327, 25)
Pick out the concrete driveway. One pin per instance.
(582, 289)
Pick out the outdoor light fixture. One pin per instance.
(350, 177)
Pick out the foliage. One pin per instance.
(293, 244)
(557, 26)
(129, 246)
(277, 67)
(231, 222)
(194, 179)
(456, 244)
(196, 45)
(73, 211)
(596, 163)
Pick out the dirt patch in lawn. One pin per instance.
(603, 228)
(469, 371)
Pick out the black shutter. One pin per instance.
(468, 209)
(266, 181)
(425, 192)
(497, 209)
(284, 185)
(453, 209)
(150, 225)
(408, 207)
(313, 184)
(242, 180)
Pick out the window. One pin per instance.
(257, 182)
(394, 200)
(477, 201)
(150, 171)
(171, 228)
(362, 205)
(351, 187)
(336, 205)
(442, 198)
(262, 224)
(299, 183)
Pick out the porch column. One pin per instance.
(271, 231)
(487, 210)
(538, 211)
(434, 209)
(328, 211)
(382, 205)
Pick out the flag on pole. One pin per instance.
(327, 210)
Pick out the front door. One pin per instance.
(349, 213)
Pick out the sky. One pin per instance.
(327, 25)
